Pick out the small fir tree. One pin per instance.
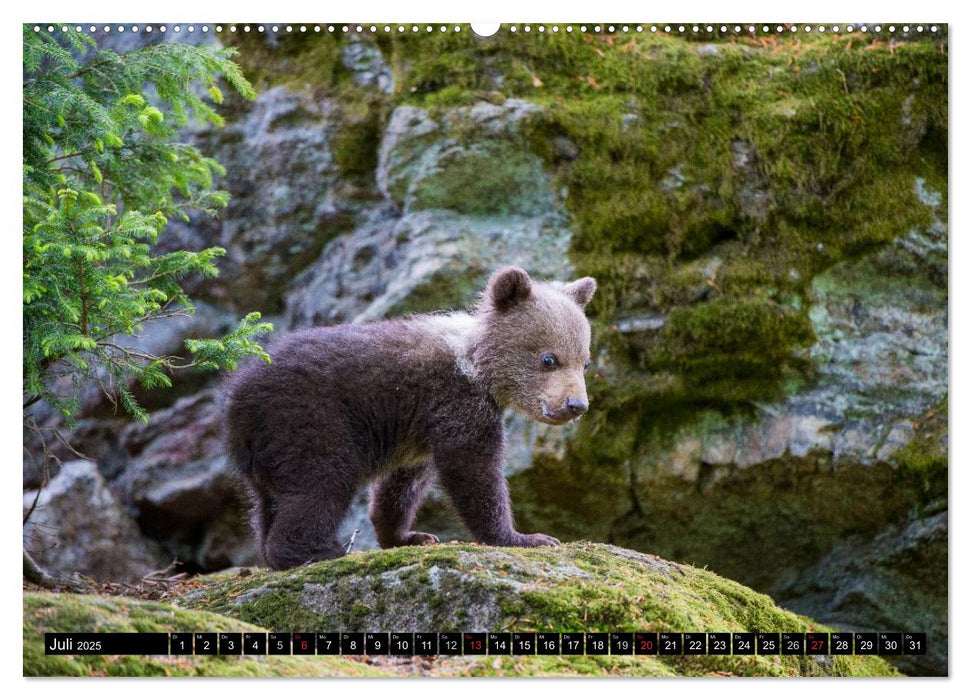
(104, 170)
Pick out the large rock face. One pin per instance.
(769, 385)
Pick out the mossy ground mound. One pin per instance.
(576, 587)
(62, 612)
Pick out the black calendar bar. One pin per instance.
(487, 643)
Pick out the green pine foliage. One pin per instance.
(104, 171)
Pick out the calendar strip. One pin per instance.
(487, 643)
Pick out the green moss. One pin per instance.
(425, 64)
(357, 139)
(495, 179)
(444, 289)
(890, 279)
(732, 350)
(47, 612)
(302, 60)
(451, 96)
(925, 456)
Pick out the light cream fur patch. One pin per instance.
(457, 331)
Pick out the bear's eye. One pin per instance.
(549, 360)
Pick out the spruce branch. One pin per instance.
(104, 171)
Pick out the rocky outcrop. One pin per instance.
(77, 525)
(462, 197)
(892, 581)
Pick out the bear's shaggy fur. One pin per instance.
(397, 402)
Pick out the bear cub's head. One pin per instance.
(533, 345)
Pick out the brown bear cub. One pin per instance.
(397, 402)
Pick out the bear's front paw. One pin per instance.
(536, 540)
(420, 539)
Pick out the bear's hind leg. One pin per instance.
(304, 527)
(395, 500)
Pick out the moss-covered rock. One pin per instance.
(577, 587)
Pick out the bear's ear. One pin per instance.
(582, 290)
(508, 286)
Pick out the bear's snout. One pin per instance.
(570, 409)
(577, 407)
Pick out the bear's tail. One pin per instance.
(260, 513)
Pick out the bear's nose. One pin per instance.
(577, 407)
